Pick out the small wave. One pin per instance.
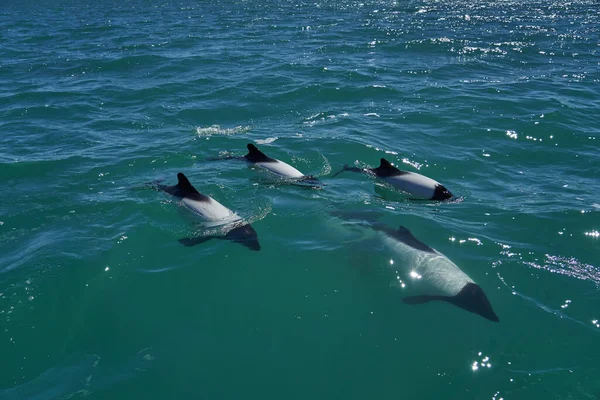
(78, 376)
(326, 168)
(542, 371)
(544, 307)
(39, 246)
(416, 165)
(266, 141)
(218, 130)
(569, 266)
(324, 117)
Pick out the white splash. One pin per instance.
(218, 130)
(266, 141)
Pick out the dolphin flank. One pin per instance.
(410, 182)
(211, 210)
(278, 167)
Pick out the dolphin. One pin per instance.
(436, 276)
(211, 210)
(278, 167)
(412, 183)
(257, 157)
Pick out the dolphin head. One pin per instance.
(441, 193)
(473, 299)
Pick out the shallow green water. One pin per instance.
(98, 299)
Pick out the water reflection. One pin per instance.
(544, 307)
(483, 363)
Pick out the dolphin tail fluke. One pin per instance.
(347, 168)
(344, 168)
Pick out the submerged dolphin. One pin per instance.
(410, 182)
(439, 278)
(211, 210)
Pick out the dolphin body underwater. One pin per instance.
(412, 183)
(211, 210)
(434, 274)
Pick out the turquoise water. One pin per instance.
(497, 100)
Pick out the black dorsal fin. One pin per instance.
(184, 189)
(383, 163)
(386, 169)
(255, 155)
(404, 236)
(184, 185)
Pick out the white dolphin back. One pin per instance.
(433, 271)
(281, 168)
(211, 210)
(413, 183)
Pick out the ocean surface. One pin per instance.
(498, 100)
